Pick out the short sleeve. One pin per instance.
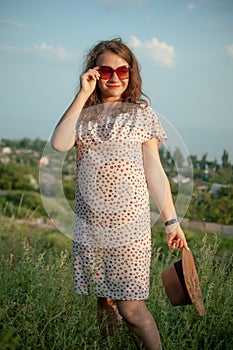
(151, 125)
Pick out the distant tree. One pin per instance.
(213, 165)
(170, 159)
(222, 210)
(7, 143)
(162, 154)
(222, 175)
(191, 161)
(38, 145)
(203, 161)
(225, 159)
(25, 143)
(13, 177)
(178, 158)
(166, 158)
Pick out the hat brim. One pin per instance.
(192, 280)
(181, 283)
(174, 285)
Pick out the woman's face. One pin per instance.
(112, 89)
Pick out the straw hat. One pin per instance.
(181, 283)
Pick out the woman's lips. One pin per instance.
(113, 86)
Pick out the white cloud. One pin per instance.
(191, 7)
(230, 50)
(135, 42)
(55, 53)
(44, 51)
(157, 52)
(14, 49)
(12, 23)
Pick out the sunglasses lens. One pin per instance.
(123, 72)
(106, 72)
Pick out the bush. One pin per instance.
(22, 204)
(15, 177)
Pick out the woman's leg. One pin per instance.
(140, 322)
(107, 310)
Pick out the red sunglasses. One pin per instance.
(106, 72)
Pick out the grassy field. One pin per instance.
(39, 309)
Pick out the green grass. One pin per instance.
(39, 309)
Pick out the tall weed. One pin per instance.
(39, 309)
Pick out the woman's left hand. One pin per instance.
(176, 238)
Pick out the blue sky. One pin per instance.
(185, 49)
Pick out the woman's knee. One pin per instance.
(131, 311)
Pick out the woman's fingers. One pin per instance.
(93, 74)
(88, 80)
(176, 240)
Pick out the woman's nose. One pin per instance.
(114, 77)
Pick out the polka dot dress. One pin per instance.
(112, 236)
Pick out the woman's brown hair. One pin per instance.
(133, 93)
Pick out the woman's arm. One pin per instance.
(159, 187)
(63, 138)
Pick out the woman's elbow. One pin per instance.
(60, 147)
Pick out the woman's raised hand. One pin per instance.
(89, 79)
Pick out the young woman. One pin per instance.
(117, 135)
